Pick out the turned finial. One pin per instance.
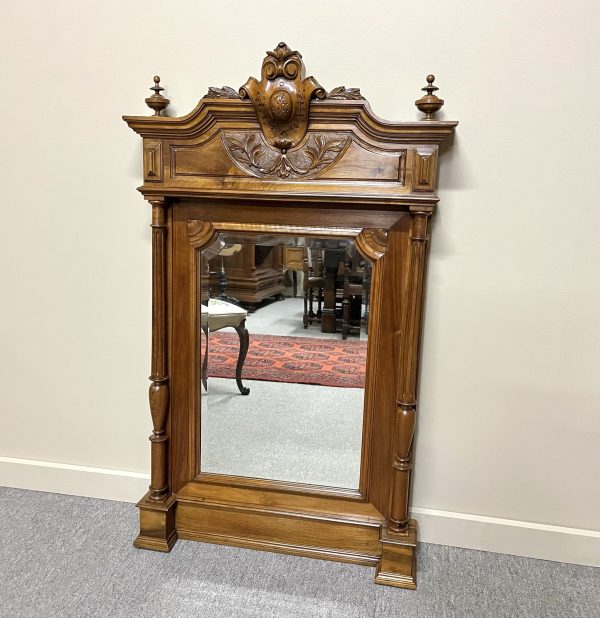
(430, 103)
(157, 102)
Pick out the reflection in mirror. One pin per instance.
(284, 324)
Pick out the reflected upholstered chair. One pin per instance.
(220, 314)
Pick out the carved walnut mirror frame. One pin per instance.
(283, 156)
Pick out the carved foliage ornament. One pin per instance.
(225, 92)
(250, 153)
(282, 97)
(343, 93)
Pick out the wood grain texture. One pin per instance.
(304, 533)
(279, 160)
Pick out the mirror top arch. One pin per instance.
(286, 135)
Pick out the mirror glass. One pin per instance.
(284, 326)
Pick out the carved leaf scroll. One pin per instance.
(225, 92)
(343, 93)
(252, 154)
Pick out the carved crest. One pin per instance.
(282, 97)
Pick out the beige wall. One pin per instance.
(510, 401)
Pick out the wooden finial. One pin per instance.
(430, 103)
(157, 102)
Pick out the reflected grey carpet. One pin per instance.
(306, 433)
(70, 556)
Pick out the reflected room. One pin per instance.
(283, 335)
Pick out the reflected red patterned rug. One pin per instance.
(300, 360)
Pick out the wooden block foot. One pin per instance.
(157, 524)
(397, 565)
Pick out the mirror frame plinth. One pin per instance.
(397, 565)
(157, 524)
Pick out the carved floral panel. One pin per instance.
(249, 151)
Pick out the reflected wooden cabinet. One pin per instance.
(252, 274)
(284, 158)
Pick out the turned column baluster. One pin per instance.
(159, 387)
(407, 384)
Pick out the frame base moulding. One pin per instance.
(319, 529)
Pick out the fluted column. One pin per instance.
(159, 387)
(406, 399)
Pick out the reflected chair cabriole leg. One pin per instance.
(205, 360)
(242, 332)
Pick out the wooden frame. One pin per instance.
(281, 164)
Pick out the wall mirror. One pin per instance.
(290, 228)
(288, 315)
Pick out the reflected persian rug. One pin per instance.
(300, 360)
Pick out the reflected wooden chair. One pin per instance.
(313, 288)
(219, 314)
(355, 277)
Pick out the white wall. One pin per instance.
(510, 401)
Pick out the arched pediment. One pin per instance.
(287, 136)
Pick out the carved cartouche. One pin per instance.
(282, 97)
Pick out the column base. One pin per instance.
(397, 565)
(157, 524)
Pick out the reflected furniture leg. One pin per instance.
(242, 332)
(328, 318)
(205, 359)
(305, 314)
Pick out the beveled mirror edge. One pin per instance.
(372, 244)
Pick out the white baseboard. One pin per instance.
(509, 536)
(505, 536)
(73, 480)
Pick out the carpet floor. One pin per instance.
(294, 360)
(68, 556)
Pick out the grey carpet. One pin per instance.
(69, 556)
